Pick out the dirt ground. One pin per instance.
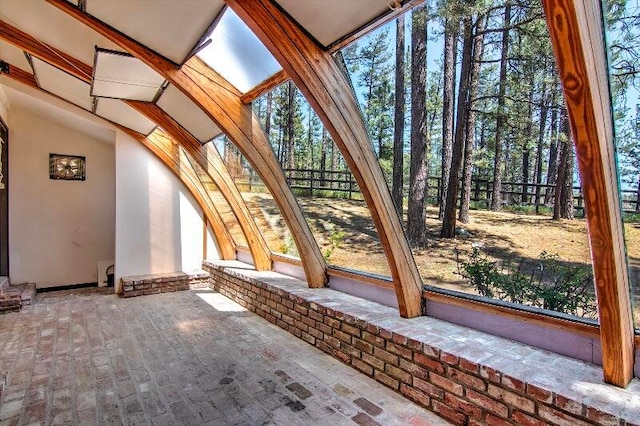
(347, 237)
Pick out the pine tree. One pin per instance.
(449, 219)
(496, 196)
(398, 132)
(478, 46)
(418, 172)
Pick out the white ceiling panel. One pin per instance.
(14, 56)
(331, 20)
(170, 27)
(62, 84)
(237, 54)
(122, 76)
(121, 113)
(45, 22)
(188, 114)
(44, 105)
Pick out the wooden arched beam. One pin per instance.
(326, 88)
(170, 156)
(206, 157)
(168, 150)
(222, 103)
(576, 30)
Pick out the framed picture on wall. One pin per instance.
(67, 167)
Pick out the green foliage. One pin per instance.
(289, 247)
(369, 63)
(631, 217)
(335, 241)
(548, 284)
(527, 209)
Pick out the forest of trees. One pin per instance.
(463, 90)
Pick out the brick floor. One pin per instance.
(187, 358)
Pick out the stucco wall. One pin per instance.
(159, 225)
(58, 230)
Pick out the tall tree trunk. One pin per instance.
(449, 220)
(334, 156)
(398, 131)
(526, 149)
(566, 198)
(323, 157)
(291, 138)
(544, 109)
(496, 196)
(563, 204)
(478, 46)
(416, 215)
(309, 158)
(267, 115)
(232, 159)
(448, 104)
(552, 168)
(281, 146)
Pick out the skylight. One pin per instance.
(120, 75)
(64, 85)
(237, 54)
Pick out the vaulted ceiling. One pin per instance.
(176, 73)
(176, 30)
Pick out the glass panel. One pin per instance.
(488, 101)
(258, 199)
(326, 190)
(220, 203)
(237, 54)
(623, 22)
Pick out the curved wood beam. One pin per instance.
(262, 88)
(222, 103)
(207, 157)
(167, 153)
(326, 88)
(41, 50)
(576, 32)
(165, 148)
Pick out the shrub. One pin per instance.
(548, 283)
(335, 241)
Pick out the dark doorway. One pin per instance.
(4, 199)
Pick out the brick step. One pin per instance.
(15, 296)
(26, 291)
(142, 285)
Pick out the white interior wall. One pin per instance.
(58, 230)
(159, 225)
(4, 105)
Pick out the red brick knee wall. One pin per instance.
(142, 285)
(461, 391)
(10, 303)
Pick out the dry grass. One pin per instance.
(501, 235)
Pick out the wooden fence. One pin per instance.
(341, 184)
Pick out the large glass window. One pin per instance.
(464, 107)
(258, 199)
(623, 23)
(220, 204)
(325, 189)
